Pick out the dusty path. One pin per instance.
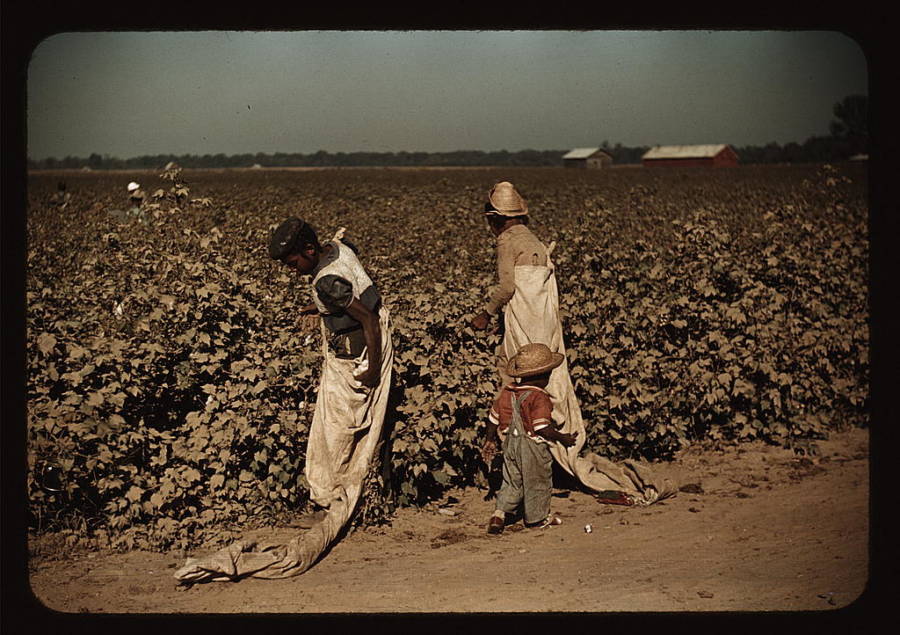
(760, 530)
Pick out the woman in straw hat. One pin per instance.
(522, 417)
(507, 217)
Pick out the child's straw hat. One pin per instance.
(533, 359)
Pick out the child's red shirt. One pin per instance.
(536, 410)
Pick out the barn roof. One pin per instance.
(581, 153)
(684, 152)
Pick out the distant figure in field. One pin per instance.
(136, 195)
(136, 199)
(61, 198)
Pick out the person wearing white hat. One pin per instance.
(136, 196)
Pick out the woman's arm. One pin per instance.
(372, 333)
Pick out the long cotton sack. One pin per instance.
(346, 428)
(532, 316)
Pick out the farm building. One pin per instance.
(710, 155)
(587, 158)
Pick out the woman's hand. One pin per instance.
(480, 322)
(372, 333)
(369, 377)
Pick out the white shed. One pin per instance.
(586, 158)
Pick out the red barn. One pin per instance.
(710, 155)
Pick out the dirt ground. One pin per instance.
(754, 528)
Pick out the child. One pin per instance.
(521, 416)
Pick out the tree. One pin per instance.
(852, 125)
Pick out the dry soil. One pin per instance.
(754, 528)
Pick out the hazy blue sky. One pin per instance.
(127, 94)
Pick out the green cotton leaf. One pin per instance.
(76, 352)
(216, 481)
(736, 315)
(742, 387)
(441, 477)
(46, 342)
(95, 399)
(134, 493)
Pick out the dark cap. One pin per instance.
(286, 239)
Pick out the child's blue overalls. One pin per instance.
(527, 470)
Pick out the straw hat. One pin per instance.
(533, 359)
(133, 186)
(506, 200)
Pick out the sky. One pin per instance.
(127, 94)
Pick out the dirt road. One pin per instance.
(755, 528)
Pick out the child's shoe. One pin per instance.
(495, 525)
(549, 521)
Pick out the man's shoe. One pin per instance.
(495, 525)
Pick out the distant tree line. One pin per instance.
(848, 136)
(815, 149)
(317, 159)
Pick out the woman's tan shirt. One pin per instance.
(515, 246)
